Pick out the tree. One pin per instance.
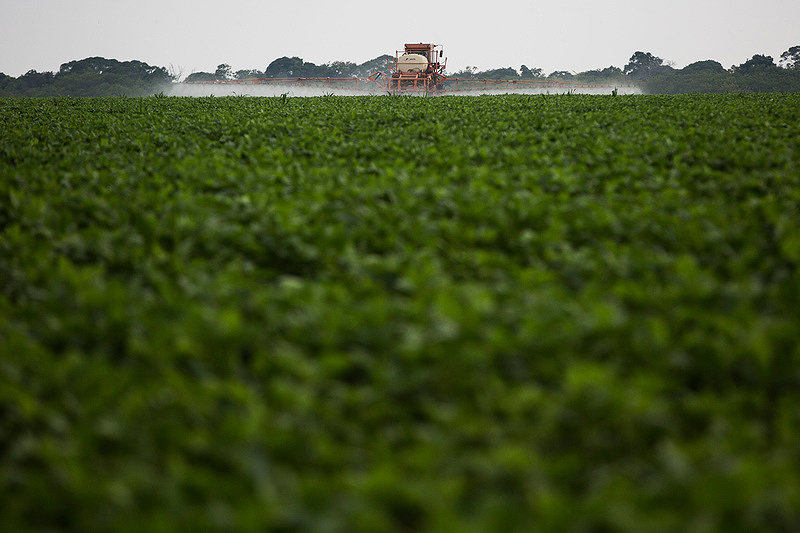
(248, 74)
(528, 73)
(93, 76)
(223, 72)
(560, 75)
(341, 69)
(8, 85)
(200, 76)
(700, 77)
(130, 70)
(295, 67)
(708, 65)
(790, 59)
(608, 74)
(90, 64)
(642, 65)
(468, 72)
(379, 64)
(756, 63)
(285, 67)
(506, 73)
(35, 80)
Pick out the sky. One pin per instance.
(572, 35)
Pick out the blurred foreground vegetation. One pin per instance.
(509, 313)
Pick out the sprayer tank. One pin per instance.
(412, 63)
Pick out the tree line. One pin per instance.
(654, 75)
(98, 76)
(93, 76)
(758, 74)
(295, 67)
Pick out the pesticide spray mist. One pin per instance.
(252, 89)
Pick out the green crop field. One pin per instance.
(498, 313)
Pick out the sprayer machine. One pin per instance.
(418, 69)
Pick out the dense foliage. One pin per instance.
(295, 67)
(288, 67)
(93, 76)
(757, 75)
(510, 313)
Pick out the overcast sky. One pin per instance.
(574, 35)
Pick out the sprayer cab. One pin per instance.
(419, 66)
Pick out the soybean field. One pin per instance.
(555, 313)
